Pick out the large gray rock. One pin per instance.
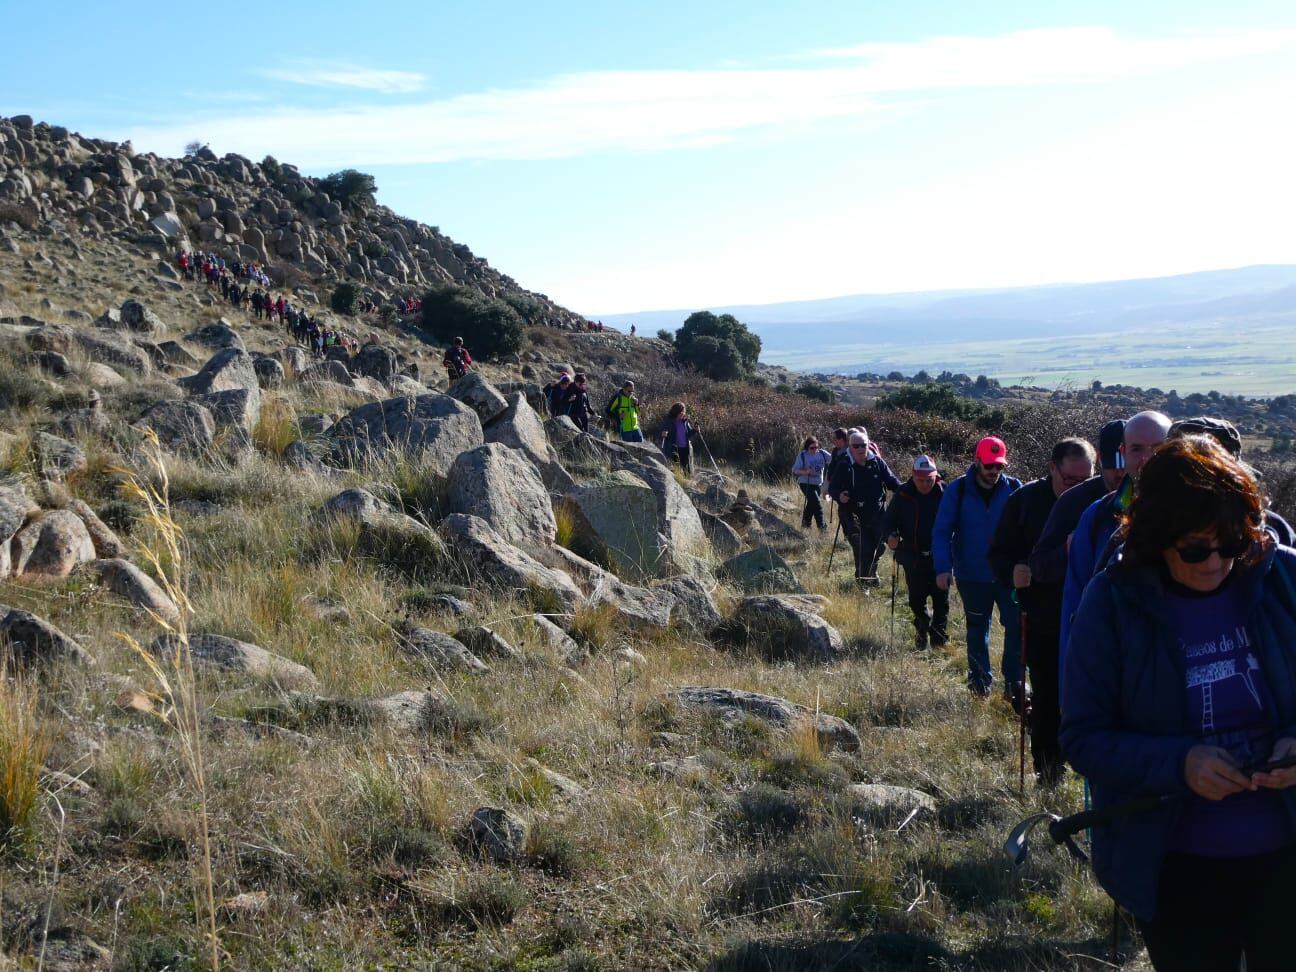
(725, 540)
(762, 570)
(139, 318)
(412, 713)
(15, 507)
(57, 458)
(112, 350)
(168, 224)
(434, 429)
(438, 650)
(492, 558)
(694, 608)
(53, 545)
(733, 705)
(639, 607)
(217, 336)
(479, 395)
(106, 543)
(240, 656)
(236, 408)
(294, 360)
(128, 582)
(499, 834)
(269, 372)
(501, 486)
(884, 805)
(32, 641)
(558, 641)
(334, 372)
(375, 361)
(385, 532)
(226, 370)
(786, 627)
(520, 428)
(182, 427)
(482, 641)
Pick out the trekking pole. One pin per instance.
(833, 551)
(702, 439)
(891, 634)
(1021, 739)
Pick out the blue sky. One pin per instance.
(632, 156)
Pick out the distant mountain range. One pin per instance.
(1260, 294)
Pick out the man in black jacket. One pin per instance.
(908, 527)
(859, 486)
(1070, 464)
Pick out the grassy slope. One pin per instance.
(357, 840)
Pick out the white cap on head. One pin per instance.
(924, 464)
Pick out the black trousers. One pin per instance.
(865, 535)
(1042, 632)
(920, 579)
(813, 508)
(684, 454)
(1213, 910)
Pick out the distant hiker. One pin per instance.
(456, 360)
(809, 467)
(576, 404)
(840, 453)
(859, 486)
(1024, 515)
(624, 411)
(1180, 679)
(632, 330)
(1090, 541)
(555, 392)
(677, 434)
(965, 524)
(908, 524)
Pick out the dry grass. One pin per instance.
(26, 738)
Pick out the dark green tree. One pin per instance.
(345, 297)
(488, 327)
(719, 346)
(354, 190)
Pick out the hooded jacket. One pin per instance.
(965, 525)
(1125, 713)
(867, 483)
(911, 516)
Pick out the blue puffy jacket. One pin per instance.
(1124, 707)
(965, 525)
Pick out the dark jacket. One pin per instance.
(1048, 561)
(838, 457)
(867, 483)
(965, 525)
(1125, 723)
(1019, 527)
(667, 433)
(910, 515)
(576, 405)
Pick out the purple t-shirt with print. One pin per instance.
(1229, 706)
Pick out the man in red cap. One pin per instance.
(965, 526)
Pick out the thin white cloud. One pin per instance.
(590, 112)
(349, 76)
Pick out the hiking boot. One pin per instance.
(920, 640)
(980, 691)
(1018, 695)
(873, 581)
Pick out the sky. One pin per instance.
(635, 156)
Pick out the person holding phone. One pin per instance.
(1180, 674)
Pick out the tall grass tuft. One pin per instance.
(276, 425)
(25, 742)
(164, 551)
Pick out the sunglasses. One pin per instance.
(860, 446)
(1196, 553)
(994, 466)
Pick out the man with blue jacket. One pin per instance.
(859, 486)
(965, 524)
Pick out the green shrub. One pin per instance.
(354, 190)
(720, 347)
(489, 327)
(665, 335)
(345, 298)
(818, 391)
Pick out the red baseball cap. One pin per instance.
(991, 450)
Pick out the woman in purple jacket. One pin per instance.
(1181, 681)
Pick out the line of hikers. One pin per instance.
(1025, 549)
(569, 395)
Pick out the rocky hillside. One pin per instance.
(233, 207)
(326, 663)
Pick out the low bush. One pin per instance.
(345, 298)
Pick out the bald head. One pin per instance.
(1143, 433)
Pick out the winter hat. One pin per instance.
(1221, 430)
(991, 450)
(1109, 442)
(564, 377)
(924, 464)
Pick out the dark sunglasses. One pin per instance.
(994, 466)
(860, 445)
(1196, 553)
